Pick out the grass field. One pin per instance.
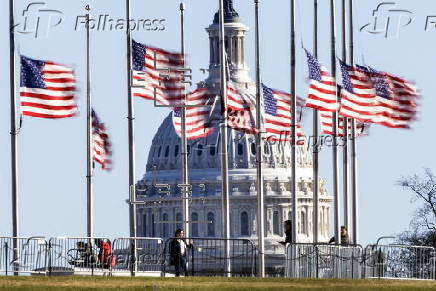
(157, 284)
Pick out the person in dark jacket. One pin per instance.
(345, 239)
(288, 232)
(178, 252)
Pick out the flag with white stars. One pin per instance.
(277, 116)
(157, 73)
(322, 88)
(47, 89)
(358, 95)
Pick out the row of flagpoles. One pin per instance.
(366, 96)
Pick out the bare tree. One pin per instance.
(423, 223)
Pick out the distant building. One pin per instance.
(164, 164)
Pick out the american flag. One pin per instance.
(198, 119)
(322, 89)
(241, 113)
(237, 100)
(326, 119)
(47, 89)
(396, 100)
(277, 115)
(358, 94)
(168, 84)
(101, 146)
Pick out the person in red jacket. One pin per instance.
(105, 254)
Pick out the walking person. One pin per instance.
(178, 253)
(345, 239)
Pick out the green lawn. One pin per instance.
(198, 283)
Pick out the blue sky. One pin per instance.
(52, 157)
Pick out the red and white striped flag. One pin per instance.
(155, 68)
(277, 116)
(241, 114)
(396, 100)
(322, 89)
(101, 146)
(377, 97)
(326, 120)
(358, 94)
(198, 119)
(47, 89)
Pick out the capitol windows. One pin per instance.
(194, 225)
(253, 148)
(199, 150)
(266, 150)
(188, 148)
(212, 150)
(176, 150)
(240, 149)
(167, 151)
(244, 224)
(211, 224)
(158, 151)
(153, 229)
(164, 225)
(144, 224)
(276, 223)
(179, 220)
(303, 222)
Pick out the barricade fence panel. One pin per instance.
(149, 255)
(29, 257)
(323, 261)
(399, 261)
(79, 256)
(207, 257)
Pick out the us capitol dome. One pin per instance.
(164, 167)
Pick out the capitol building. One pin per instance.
(161, 213)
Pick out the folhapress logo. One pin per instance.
(388, 20)
(37, 20)
(104, 22)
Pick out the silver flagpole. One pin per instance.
(353, 139)
(224, 159)
(345, 168)
(259, 155)
(294, 126)
(89, 173)
(335, 128)
(185, 177)
(131, 134)
(14, 135)
(315, 137)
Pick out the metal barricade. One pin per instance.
(340, 261)
(30, 257)
(399, 261)
(207, 257)
(323, 261)
(149, 256)
(79, 256)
